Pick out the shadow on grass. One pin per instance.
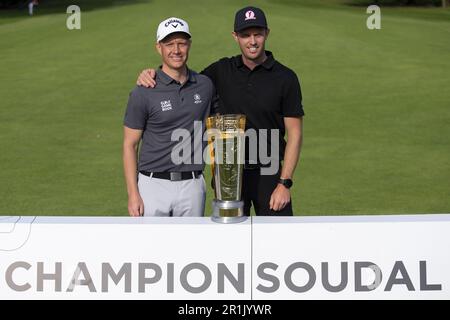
(16, 12)
(425, 12)
(393, 4)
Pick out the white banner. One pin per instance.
(343, 257)
(352, 257)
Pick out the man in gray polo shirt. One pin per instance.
(157, 185)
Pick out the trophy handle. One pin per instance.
(210, 125)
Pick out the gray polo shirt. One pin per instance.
(161, 110)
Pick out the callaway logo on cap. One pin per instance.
(170, 26)
(249, 17)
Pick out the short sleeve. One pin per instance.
(136, 113)
(292, 98)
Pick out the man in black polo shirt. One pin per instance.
(269, 94)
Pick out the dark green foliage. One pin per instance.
(12, 3)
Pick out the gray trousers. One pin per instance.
(165, 198)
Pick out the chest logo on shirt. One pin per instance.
(166, 105)
(197, 98)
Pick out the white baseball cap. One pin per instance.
(170, 26)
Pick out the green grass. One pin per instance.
(377, 103)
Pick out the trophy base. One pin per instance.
(229, 219)
(228, 211)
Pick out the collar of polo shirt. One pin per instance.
(166, 79)
(267, 64)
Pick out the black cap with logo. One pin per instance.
(249, 17)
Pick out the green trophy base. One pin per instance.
(228, 211)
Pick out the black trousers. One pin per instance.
(256, 191)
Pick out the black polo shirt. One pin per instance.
(266, 94)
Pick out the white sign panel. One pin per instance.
(365, 257)
(123, 258)
(345, 257)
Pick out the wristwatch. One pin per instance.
(285, 182)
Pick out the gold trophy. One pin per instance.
(226, 142)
